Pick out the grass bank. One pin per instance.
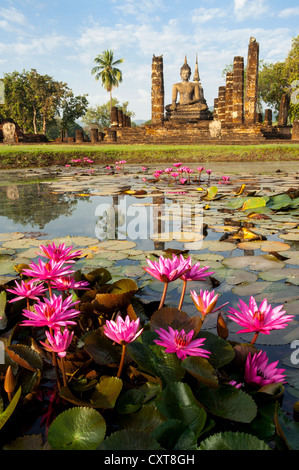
(41, 155)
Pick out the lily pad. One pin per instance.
(274, 246)
(291, 275)
(78, 428)
(255, 263)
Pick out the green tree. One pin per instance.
(106, 70)
(31, 99)
(71, 108)
(279, 78)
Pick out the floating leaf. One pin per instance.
(147, 419)
(228, 403)
(6, 414)
(255, 263)
(202, 370)
(254, 202)
(177, 319)
(130, 401)
(178, 402)
(130, 439)
(78, 428)
(24, 356)
(233, 441)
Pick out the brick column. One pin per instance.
(157, 90)
(120, 117)
(215, 113)
(94, 135)
(268, 117)
(283, 110)
(295, 132)
(229, 98)
(114, 116)
(238, 90)
(251, 81)
(221, 104)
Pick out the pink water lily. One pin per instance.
(59, 253)
(123, 331)
(259, 319)
(194, 273)
(167, 269)
(181, 343)
(52, 313)
(68, 282)
(178, 164)
(58, 342)
(47, 271)
(259, 372)
(206, 302)
(27, 290)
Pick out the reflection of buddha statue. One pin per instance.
(191, 104)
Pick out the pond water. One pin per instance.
(252, 252)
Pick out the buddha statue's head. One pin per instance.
(185, 70)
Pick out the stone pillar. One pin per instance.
(215, 113)
(283, 110)
(238, 90)
(251, 81)
(268, 117)
(229, 98)
(221, 104)
(114, 116)
(101, 136)
(79, 135)
(295, 132)
(120, 117)
(94, 135)
(157, 90)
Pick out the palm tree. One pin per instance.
(106, 69)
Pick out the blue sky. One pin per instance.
(62, 38)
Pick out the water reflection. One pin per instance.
(33, 205)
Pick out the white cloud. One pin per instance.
(289, 12)
(11, 20)
(245, 9)
(202, 15)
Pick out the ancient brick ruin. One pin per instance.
(235, 118)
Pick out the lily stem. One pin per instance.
(255, 337)
(163, 295)
(122, 360)
(182, 295)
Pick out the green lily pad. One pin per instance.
(78, 428)
(255, 263)
(233, 441)
(291, 275)
(250, 288)
(130, 439)
(228, 403)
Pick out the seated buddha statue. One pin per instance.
(191, 105)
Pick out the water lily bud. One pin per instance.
(9, 381)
